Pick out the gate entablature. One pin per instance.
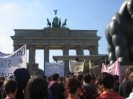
(56, 37)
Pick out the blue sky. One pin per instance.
(32, 14)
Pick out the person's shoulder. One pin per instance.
(100, 96)
(126, 83)
(56, 84)
(120, 97)
(97, 98)
(115, 95)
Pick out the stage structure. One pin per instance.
(95, 59)
(56, 36)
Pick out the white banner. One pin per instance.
(76, 67)
(51, 68)
(9, 63)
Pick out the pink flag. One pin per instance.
(104, 69)
(114, 69)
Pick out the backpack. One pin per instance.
(50, 95)
(91, 95)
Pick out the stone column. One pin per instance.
(79, 50)
(66, 52)
(31, 57)
(46, 55)
(94, 50)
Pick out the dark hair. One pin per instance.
(106, 80)
(37, 88)
(55, 76)
(61, 79)
(128, 71)
(116, 77)
(1, 83)
(2, 78)
(72, 85)
(93, 77)
(87, 78)
(10, 86)
(22, 76)
(80, 77)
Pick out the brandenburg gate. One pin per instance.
(56, 36)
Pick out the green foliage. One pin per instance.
(86, 67)
(38, 72)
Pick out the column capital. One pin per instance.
(79, 47)
(65, 47)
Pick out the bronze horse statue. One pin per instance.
(119, 34)
(48, 23)
(64, 23)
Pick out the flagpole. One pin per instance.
(105, 61)
(26, 55)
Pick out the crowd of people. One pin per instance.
(88, 86)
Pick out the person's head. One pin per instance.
(93, 79)
(55, 77)
(11, 76)
(87, 78)
(22, 76)
(80, 78)
(37, 88)
(129, 73)
(10, 86)
(73, 86)
(106, 80)
(2, 79)
(116, 79)
(61, 79)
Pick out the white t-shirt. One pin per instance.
(130, 96)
